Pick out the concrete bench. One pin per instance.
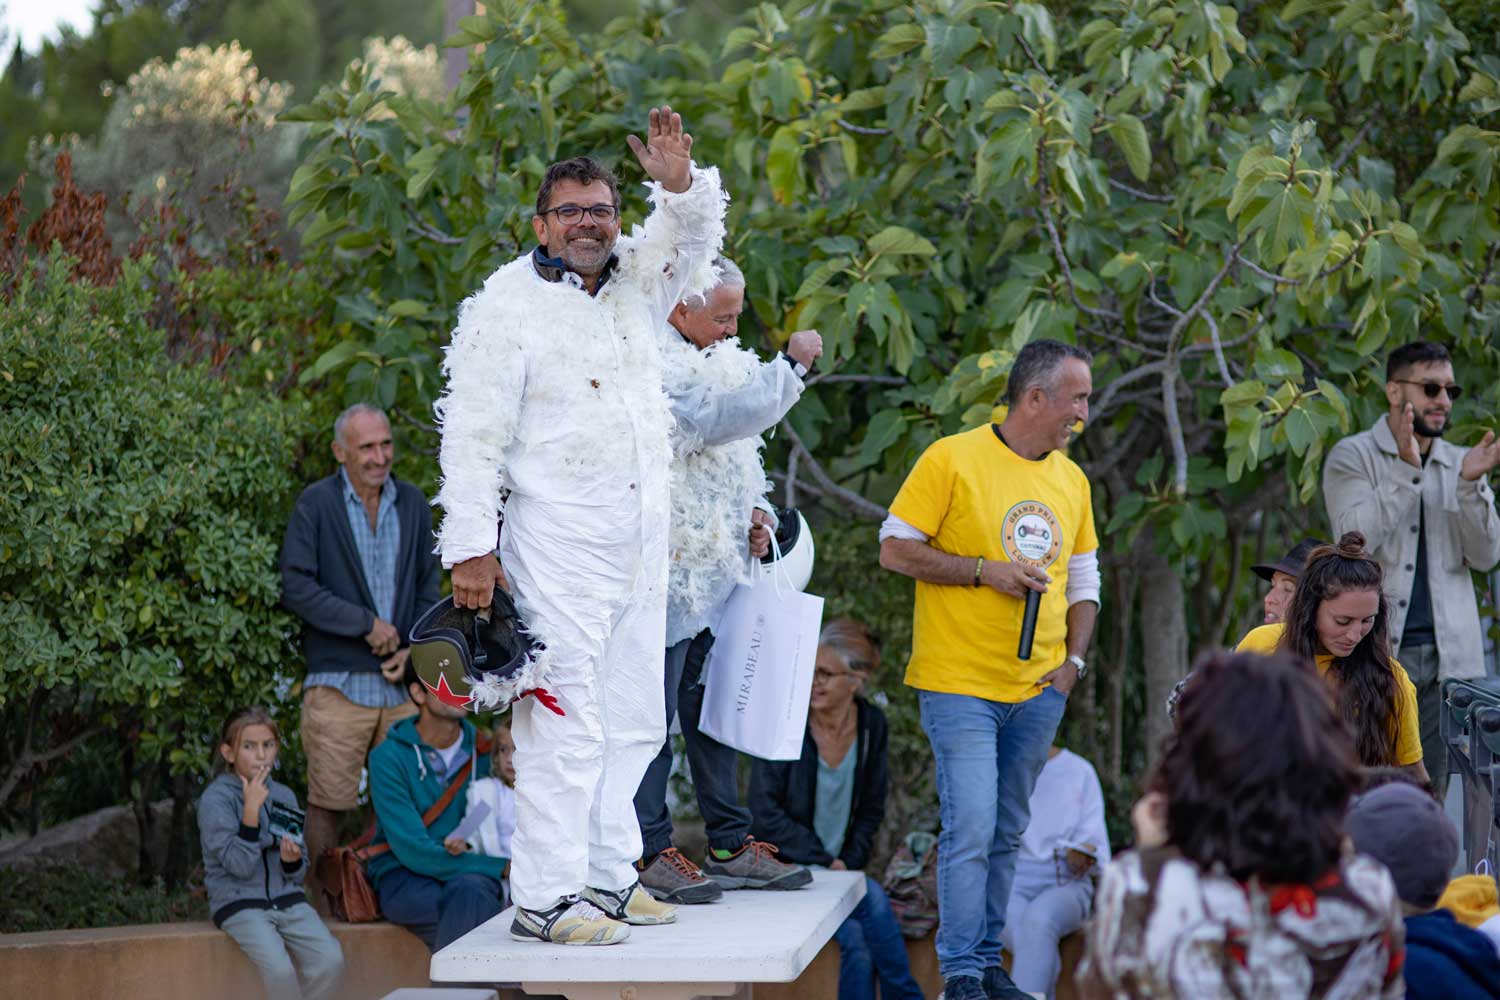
(189, 961)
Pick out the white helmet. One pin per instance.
(791, 555)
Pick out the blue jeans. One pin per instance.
(988, 754)
(292, 949)
(438, 912)
(714, 767)
(870, 945)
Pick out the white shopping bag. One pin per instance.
(760, 670)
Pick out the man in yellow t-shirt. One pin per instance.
(985, 518)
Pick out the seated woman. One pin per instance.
(1337, 619)
(825, 808)
(1053, 891)
(1241, 884)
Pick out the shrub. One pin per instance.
(63, 897)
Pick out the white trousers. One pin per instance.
(577, 774)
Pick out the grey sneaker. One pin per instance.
(632, 906)
(962, 988)
(754, 866)
(999, 986)
(571, 921)
(672, 878)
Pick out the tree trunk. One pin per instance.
(455, 61)
(1164, 639)
(179, 842)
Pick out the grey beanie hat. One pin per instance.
(1404, 828)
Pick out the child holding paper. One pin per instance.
(490, 816)
(1063, 846)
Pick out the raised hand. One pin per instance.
(257, 789)
(666, 155)
(1480, 459)
(805, 347)
(1406, 437)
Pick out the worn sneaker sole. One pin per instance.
(794, 879)
(521, 932)
(706, 891)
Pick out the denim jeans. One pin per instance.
(713, 766)
(870, 945)
(292, 949)
(1421, 664)
(988, 755)
(1041, 913)
(438, 912)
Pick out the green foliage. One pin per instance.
(64, 897)
(141, 507)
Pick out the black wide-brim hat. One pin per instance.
(453, 647)
(1291, 564)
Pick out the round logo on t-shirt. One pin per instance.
(1030, 534)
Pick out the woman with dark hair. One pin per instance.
(825, 808)
(1240, 884)
(1337, 620)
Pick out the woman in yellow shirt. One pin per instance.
(1338, 620)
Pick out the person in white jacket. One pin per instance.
(554, 404)
(1062, 849)
(723, 397)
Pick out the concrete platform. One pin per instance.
(714, 950)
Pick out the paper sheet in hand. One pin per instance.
(466, 826)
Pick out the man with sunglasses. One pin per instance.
(554, 413)
(1427, 508)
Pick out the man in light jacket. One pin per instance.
(1429, 512)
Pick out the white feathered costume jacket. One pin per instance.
(722, 399)
(554, 399)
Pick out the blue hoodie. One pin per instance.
(1447, 961)
(405, 780)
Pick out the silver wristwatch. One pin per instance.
(1078, 664)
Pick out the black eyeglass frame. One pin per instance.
(590, 210)
(1430, 389)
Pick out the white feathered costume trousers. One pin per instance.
(555, 397)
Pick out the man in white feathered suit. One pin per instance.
(722, 398)
(554, 402)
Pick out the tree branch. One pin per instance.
(1134, 375)
(1174, 432)
(1353, 144)
(895, 380)
(436, 235)
(1160, 199)
(1484, 277)
(28, 760)
(833, 490)
(791, 478)
(860, 129)
(1062, 260)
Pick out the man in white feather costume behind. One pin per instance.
(723, 397)
(554, 402)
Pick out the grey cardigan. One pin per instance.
(1370, 489)
(242, 866)
(323, 581)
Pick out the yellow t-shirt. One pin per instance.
(1267, 638)
(966, 492)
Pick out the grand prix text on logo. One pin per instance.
(1031, 534)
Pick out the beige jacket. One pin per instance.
(1370, 489)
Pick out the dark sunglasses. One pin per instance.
(572, 214)
(1431, 389)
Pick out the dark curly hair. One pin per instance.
(1259, 774)
(580, 169)
(1364, 680)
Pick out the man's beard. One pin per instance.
(587, 260)
(1423, 429)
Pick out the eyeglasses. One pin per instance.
(1431, 389)
(821, 676)
(570, 215)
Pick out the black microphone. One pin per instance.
(1028, 624)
